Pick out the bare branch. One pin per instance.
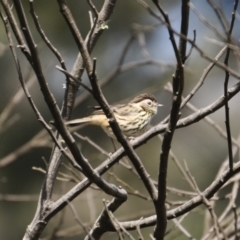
(178, 85)
(226, 89)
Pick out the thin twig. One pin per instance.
(117, 225)
(235, 222)
(78, 220)
(130, 190)
(206, 21)
(217, 226)
(44, 37)
(110, 216)
(75, 79)
(227, 74)
(207, 119)
(191, 48)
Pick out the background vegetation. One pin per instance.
(135, 53)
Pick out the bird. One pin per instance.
(133, 117)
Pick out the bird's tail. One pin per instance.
(93, 119)
(79, 121)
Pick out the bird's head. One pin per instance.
(148, 102)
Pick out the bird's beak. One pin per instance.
(159, 105)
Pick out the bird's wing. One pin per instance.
(97, 111)
(119, 109)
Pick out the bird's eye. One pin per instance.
(149, 103)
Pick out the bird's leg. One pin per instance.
(130, 139)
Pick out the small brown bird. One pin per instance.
(133, 118)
